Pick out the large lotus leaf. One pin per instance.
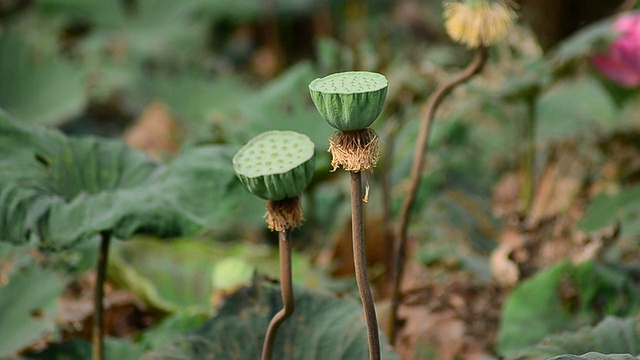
(114, 349)
(173, 276)
(63, 190)
(606, 209)
(154, 29)
(105, 13)
(322, 327)
(533, 310)
(540, 306)
(243, 10)
(595, 356)
(169, 329)
(585, 42)
(611, 336)
(196, 99)
(45, 89)
(573, 107)
(184, 275)
(28, 305)
(280, 101)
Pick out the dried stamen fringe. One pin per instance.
(284, 214)
(354, 150)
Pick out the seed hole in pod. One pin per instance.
(268, 163)
(289, 155)
(259, 164)
(283, 148)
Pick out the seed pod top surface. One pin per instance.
(351, 100)
(276, 164)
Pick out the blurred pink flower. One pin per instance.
(622, 63)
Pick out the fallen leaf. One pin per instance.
(156, 132)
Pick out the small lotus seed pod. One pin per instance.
(478, 23)
(351, 100)
(276, 165)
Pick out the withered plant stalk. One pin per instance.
(286, 289)
(417, 166)
(360, 263)
(282, 216)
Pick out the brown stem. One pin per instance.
(98, 314)
(416, 175)
(286, 288)
(528, 157)
(360, 263)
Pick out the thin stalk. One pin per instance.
(528, 156)
(286, 288)
(416, 176)
(97, 336)
(360, 263)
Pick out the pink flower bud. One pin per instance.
(622, 62)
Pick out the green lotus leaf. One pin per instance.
(39, 87)
(322, 327)
(535, 309)
(595, 356)
(276, 165)
(351, 100)
(114, 349)
(613, 335)
(62, 190)
(28, 306)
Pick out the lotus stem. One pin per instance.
(528, 156)
(286, 288)
(416, 176)
(360, 263)
(97, 336)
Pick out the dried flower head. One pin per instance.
(478, 23)
(285, 214)
(354, 150)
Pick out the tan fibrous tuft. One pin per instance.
(355, 150)
(285, 214)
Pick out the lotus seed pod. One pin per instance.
(351, 100)
(276, 165)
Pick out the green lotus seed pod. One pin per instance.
(351, 100)
(276, 165)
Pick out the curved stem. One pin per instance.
(360, 263)
(416, 175)
(97, 336)
(286, 288)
